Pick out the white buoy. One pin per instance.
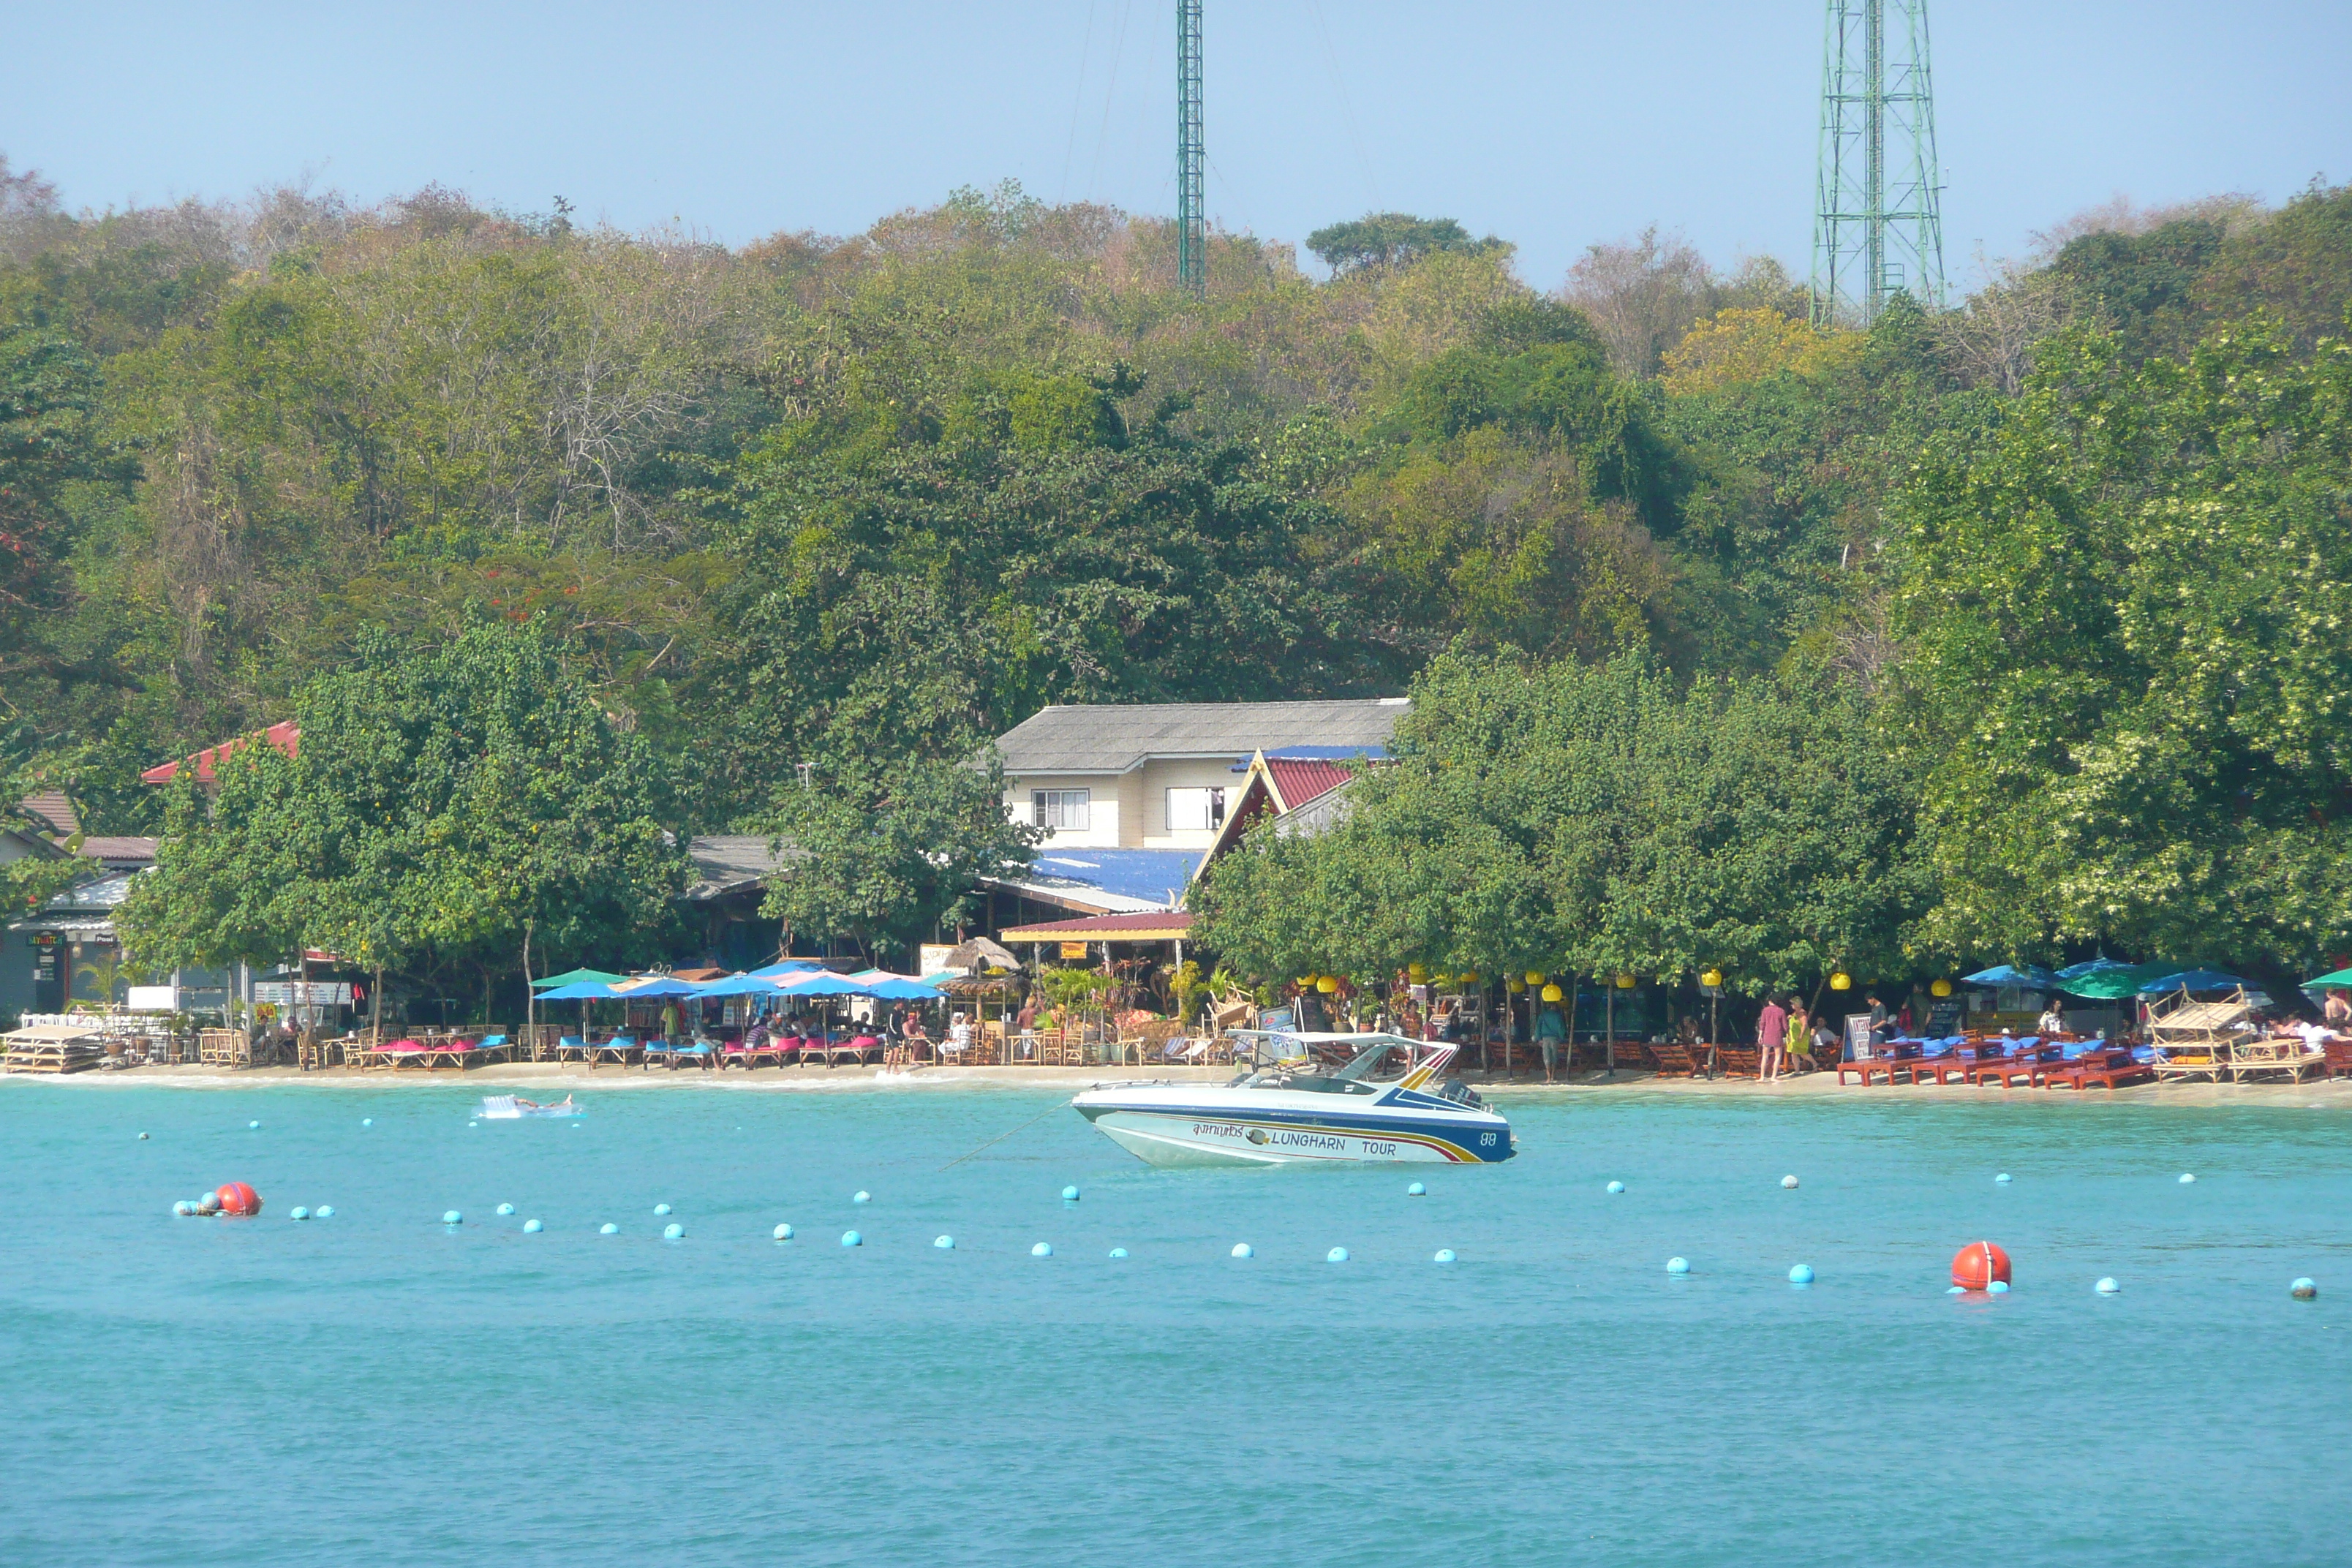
(453, 1217)
(1069, 1194)
(2003, 1179)
(2107, 1287)
(2186, 1178)
(1788, 1181)
(1243, 1249)
(1802, 1273)
(1616, 1186)
(1118, 1252)
(862, 1196)
(506, 1209)
(851, 1238)
(1678, 1265)
(250, 1126)
(783, 1233)
(185, 1208)
(1416, 1191)
(297, 1212)
(324, 1211)
(1337, 1254)
(1043, 1249)
(660, 1209)
(473, 1124)
(2304, 1290)
(608, 1228)
(1444, 1255)
(533, 1228)
(944, 1243)
(367, 1120)
(673, 1231)
(142, 1137)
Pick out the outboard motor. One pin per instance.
(1455, 1089)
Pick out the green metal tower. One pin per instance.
(1877, 225)
(1191, 152)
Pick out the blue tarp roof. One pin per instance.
(1317, 754)
(1145, 874)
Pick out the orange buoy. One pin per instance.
(237, 1198)
(1976, 1267)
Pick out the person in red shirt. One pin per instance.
(1771, 1037)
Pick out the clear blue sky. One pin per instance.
(1552, 125)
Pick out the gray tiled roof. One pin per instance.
(1111, 738)
(726, 862)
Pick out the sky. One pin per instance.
(1553, 125)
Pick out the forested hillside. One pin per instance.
(859, 502)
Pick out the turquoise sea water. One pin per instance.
(379, 1388)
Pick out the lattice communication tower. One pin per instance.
(1877, 225)
(1192, 152)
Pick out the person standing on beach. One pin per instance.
(1798, 1044)
(1771, 1036)
(1550, 1030)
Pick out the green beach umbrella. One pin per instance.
(574, 976)
(2335, 977)
(2115, 984)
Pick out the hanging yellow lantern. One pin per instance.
(1326, 984)
(1711, 979)
(1515, 984)
(1306, 981)
(1470, 977)
(1625, 983)
(1841, 981)
(1553, 994)
(1441, 978)
(1416, 972)
(1941, 988)
(1535, 976)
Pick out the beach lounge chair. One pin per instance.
(574, 1049)
(618, 1049)
(1740, 1061)
(397, 1054)
(859, 1048)
(697, 1053)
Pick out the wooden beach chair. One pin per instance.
(1675, 1060)
(619, 1050)
(1740, 1062)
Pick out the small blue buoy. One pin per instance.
(1616, 1186)
(185, 1208)
(297, 1212)
(506, 1208)
(1788, 1181)
(862, 1196)
(2003, 1179)
(608, 1228)
(473, 1124)
(673, 1231)
(1802, 1273)
(324, 1211)
(1416, 1191)
(2107, 1285)
(533, 1228)
(851, 1238)
(142, 1137)
(1069, 1194)
(1997, 1288)
(1678, 1265)
(1118, 1252)
(367, 1120)
(1956, 1290)
(2304, 1290)
(944, 1243)
(1444, 1255)
(660, 1209)
(783, 1233)
(1337, 1254)
(1243, 1249)
(251, 1126)
(1043, 1249)
(2186, 1178)
(208, 1204)
(453, 1217)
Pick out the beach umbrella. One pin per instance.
(2333, 978)
(2113, 985)
(823, 982)
(2102, 964)
(739, 985)
(658, 986)
(2032, 977)
(580, 991)
(789, 967)
(2192, 980)
(574, 976)
(904, 988)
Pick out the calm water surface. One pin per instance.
(379, 1388)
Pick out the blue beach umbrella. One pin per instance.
(2032, 977)
(741, 985)
(822, 982)
(786, 968)
(2192, 980)
(2102, 964)
(659, 986)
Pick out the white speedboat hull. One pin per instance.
(1184, 1139)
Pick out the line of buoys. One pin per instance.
(1802, 1273)
(1788, 1181)
(533, 1228)
(1118, 1252)
(851, 1238)
(673, 1231)
(1678, 1265)
(1337, 1254)
(1069, 1194)
(1416, 1191)
(608, 1228)
(783, 1233)
(1444, 1255)
(504, 1209)
(1616, 1186)
(861, 1196)
(1979, 1265)
(660, 1209)
(2106, 1286)
(2304, 1290)
(944, 1243)
(1243, 1249)
(297, 1212)
(1043, 1249)
(453, 1217)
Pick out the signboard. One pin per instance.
(1074, 950)
(153, 999)
(934, 957)
(295, 994)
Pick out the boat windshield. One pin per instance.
(1313, 1070)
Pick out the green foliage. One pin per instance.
(1390, 240)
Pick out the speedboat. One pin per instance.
(1304, 1098)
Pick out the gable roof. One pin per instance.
(725, 863)
(286, 736)
(53, 811)
(1115, 738)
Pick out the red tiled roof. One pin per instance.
(286, 737)
(1301, 779)
(1152, 925)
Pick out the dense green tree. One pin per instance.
(1390, 240)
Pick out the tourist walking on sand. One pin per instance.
(1550, 1030)
(1771, 1036)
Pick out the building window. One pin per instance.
(1195, 810)
(1058, 808)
